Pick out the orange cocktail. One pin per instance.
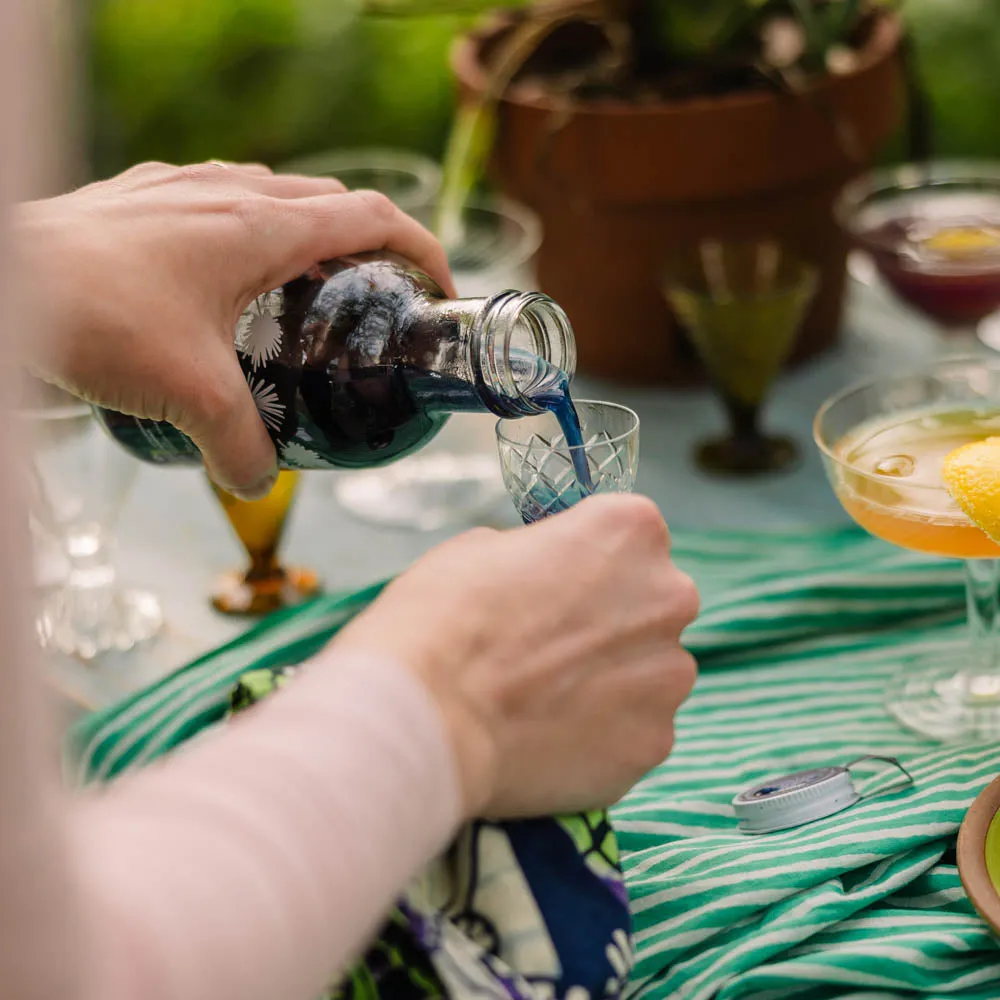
(888, 478)
(884, 445)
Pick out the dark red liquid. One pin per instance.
(929, 267)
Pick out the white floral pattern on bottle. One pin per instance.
(297, 456)
(258, 334)
(270, 408)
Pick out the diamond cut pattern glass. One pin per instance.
(537, 463)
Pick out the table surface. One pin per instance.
(175, 541)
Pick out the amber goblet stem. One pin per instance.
(266, 585)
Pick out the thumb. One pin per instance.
(222, 419)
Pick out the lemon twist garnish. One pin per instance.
(963, 241)
(971, 475)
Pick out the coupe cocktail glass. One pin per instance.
(933, 232)
(538, 465)
(883, 444)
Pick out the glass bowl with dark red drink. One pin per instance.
(933, 232)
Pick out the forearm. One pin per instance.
(257, 864)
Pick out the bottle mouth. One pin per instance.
(526, 349)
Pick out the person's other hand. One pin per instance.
(147, 274)
(553, 652)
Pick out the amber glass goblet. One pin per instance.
(266, 585)
(741, 305)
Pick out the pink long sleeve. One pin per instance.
(256, 864)
(253, 865)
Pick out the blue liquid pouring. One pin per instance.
(552, 393)
(545, 385)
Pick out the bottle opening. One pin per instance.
(526, 349)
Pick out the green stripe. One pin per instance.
(798, 638)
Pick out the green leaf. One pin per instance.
(465, 158)
(472, 133)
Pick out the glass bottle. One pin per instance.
(362, 359)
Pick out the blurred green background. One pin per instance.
(190, 80)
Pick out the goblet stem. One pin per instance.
(91, 568)
(264, 566)
(90, 613)
(980, 681)
(744, 426)
(746, 450)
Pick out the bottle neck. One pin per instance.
(513, 348)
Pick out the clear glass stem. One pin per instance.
(981, 680)
(961, 342)
(91, 569)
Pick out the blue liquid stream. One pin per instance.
(553, 394)
(544, 384)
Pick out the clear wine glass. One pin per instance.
(79, 482)
(540, 469)
(409, 179)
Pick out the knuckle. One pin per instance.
(199, 173)
(149, 167)
(378, 205)
(250, 208)
(684, 674)
(641, 517)
(687, 600)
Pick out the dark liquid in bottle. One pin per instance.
(347, 375)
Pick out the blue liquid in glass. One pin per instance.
(550, 390)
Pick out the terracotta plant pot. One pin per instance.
(620, 187)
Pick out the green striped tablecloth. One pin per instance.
(797, 639)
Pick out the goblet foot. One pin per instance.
(747, 457)
(239, 594)
(85, 623)
(937, 702)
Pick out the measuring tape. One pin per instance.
(805, 796)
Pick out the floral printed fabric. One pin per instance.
(527, 910)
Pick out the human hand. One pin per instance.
(553, 652)
(148, 273)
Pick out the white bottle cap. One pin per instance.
(796, 799)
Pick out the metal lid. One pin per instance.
(795, 799)
(804, 796)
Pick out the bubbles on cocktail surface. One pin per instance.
(908, 448)
(896, 465)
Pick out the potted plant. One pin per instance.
(637, 127)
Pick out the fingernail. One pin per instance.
(259, 490)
